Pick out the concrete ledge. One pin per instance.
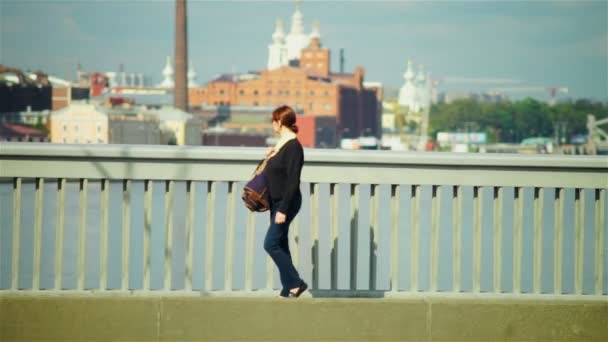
(156, 318)
(79, 318)
(291, 320)
(489, 320)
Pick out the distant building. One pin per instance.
(457, 95)
(134, 129)
(182, 128)
(26, 117)
(148, 97)
(286, 49)
(298, 74)
(168, 73)
(83, 123)
(122, 79)
(80, 123)
(20, 91)
(318, 131)
(417, 92)
(232, 138)
(12, 132)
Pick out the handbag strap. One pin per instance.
(261, 166)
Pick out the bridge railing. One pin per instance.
(156, 218)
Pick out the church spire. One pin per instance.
(297, 19)
(315, 30)
(409, 73)
(408, 94)
(296, 40)
(168, 73)
(277, 51)
(278, 37)
(191, 76)
(421, 78)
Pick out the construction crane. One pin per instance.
(553, 91)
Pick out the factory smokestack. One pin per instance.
(181, 56)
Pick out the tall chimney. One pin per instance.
(341, 60)
(123, 76)
(181, 56)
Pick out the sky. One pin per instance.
(519, 47)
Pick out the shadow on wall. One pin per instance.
(352, 292)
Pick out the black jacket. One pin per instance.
(283, 174)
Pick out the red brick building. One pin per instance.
(336, 104)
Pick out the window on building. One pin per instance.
(312, 93)
(98, 128)
(269, 92)
(319, 54)
(308, 54)
(255, 92)
(99, 140)
(326, 93)
(287, 92)
(222, 92)
(65, 128)
(327, 106)
(320, 65)
(76, 128)
(308, 65)
(311, 106)
(297, 93)
(241, 92)
(65, 140)
(255, 103)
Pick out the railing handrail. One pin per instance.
(468, 217)
(198, 153)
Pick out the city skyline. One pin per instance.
(468, 46)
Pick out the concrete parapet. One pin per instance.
(174, 318)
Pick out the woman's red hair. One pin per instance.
(286, 116)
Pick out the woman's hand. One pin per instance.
(279, 218)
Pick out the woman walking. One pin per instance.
(283, 171)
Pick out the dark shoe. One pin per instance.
(301, 290)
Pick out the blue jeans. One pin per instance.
(276, 244)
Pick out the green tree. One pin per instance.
(515, 121)
(39, 124)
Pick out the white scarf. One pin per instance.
(285, 136)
